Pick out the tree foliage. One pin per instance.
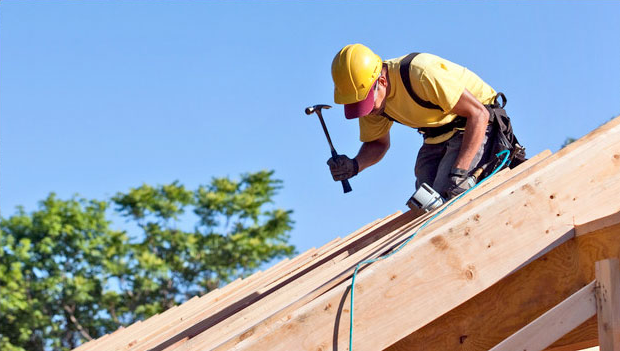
(66, 276)
(567, 141)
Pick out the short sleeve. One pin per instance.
(443, 83)
(373, 127)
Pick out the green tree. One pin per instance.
(567, 141)
(52, 273)
(67, 277)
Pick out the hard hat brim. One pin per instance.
(361, 108)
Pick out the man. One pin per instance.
(444, 101)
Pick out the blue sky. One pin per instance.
(100, 96)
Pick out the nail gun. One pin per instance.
(426, 198)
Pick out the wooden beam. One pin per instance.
(505, 175)
(122, 337)
(230, 317)
(213, 300)
(608, 304)
(462, 254)
(585, 336)
(553, 324)
(520, 298)
(600, 223)
(590, 345)
(293, 296)
(208, 315)
(134, 337)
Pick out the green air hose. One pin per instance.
(505, 153)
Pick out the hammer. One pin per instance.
(346, 187)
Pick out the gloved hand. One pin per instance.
(460, 182)
(342, 167)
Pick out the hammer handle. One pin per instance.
(346, 187)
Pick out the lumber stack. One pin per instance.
(513, 248)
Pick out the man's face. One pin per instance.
(380, 92)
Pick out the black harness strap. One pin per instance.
(458, 122)
(404, 76)
(389, 117)
(431, 132)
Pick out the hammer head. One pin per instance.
(310, 110)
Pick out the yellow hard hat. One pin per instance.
(354, 71)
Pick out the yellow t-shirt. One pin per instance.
(433, 79)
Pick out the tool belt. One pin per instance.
(500, 132)
(431, 132)
(502, 137)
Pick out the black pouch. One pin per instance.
(502, 135)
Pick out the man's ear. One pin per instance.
(383, 77)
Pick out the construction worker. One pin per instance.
(444, 101)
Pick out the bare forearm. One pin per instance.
(372, 152)
(473, 137)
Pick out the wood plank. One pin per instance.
(197, 324)
(225, 306)
(326, 277)
(214, 296)
(460, 258)
(331, 246)
(127, 338)
(553, 324)
(505, 175)
(326, 280)
(334, 265)
(283, 263)
(589, 345)
(123, 339)
(327, 251)
(520, 298)
(583, 337)
(608, 304)
(600, 223)
(91, 345)
(267, 276)
(132, 337)
(196, 310)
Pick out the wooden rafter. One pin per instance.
(600, 297)
(496, 313)
(608, 304)
(553, 324)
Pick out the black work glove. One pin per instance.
(460, 181)
(342, 167)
